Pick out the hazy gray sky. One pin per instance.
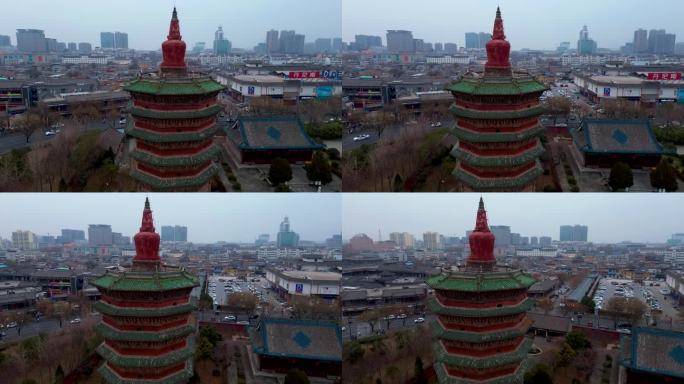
(245, 22)
(611, 217)
(209, 217)
(536, 24)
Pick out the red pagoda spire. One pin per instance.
(146, 241)
(173, 48)
(498, 48)
(481, 242)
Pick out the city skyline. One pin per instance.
(561, 21)
(526, 213)
(209, 217)
(147, 27)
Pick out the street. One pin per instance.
(360, 329)
(348, 142)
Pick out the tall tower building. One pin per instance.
(146, 326)
(400, 41)
(31, 40)
(640, 41)
(272, 42)
(481, 320)
(497, 123)
(286, 237)
(174, 121)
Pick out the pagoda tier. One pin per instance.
(497, 124)
(173, 123)
(481, 316)
(146, 326)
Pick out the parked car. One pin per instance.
(419, 320)
(362, 137)
(75, 321)
(230, 318)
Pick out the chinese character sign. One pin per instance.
(606, 91)
(299, 288)
(664, 75)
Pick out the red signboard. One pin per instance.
(305, 75)
(664, 75)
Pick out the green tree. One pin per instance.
(620, 177)
(211, 335)
(539, 374)
(353, 352)
(280, 171)
(204, 349)
(319, 169)
(418, 372)
(565, 355)
(664, 176)
(295, 376)
(589, 304)
(577, 341)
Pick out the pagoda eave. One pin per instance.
(114, 310)
(141, 361)
(178, 182)
(532, 111)
(496, 137)
(516, 377)
(171, 137)
(438, 329)
(186, 114)
(499, 184)
(436, 307)
(111, 333)
(471, 362)
(176, 378)
(205, 156)
(497, 161)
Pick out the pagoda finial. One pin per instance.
(498, 49)
(173, 49)
(481, 206)
(174, 16)
(481, 239)
(498, 12)
(147, 203)
(146, 240)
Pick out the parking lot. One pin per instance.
(221, 287)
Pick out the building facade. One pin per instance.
(146, 325)
(497, 124)
(481, 321)
(173, 124)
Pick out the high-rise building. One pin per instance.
(120, 40)
(563, 47)
(399, 41)
(198, 48)
(24, 240)
(100, 234)
(534, 240)
(173, 123)
(337, 44)
(71, 235)
(106, 40)
(665, 44)
(450, 48)
(403, 240)
(431, 241)
(366, 41)
(497, 110)
(483, 38)
(640, 42)
(472, 40)
(5, 41)
(323, 45)
(72, 47)
(653, 37)
(679, 49)
(51, 45)
(272, 42)
(286, 237)
(146, 324)
(585, 45)
(574, 232)
(221, 46)
(502, 234)
(481, 323)
(263, 239)
(545, 241)
(334, 242)
(174, 233)
(85, 48)
(439, 47)
(31, 40)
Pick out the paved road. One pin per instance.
(34, 328)
(10, 141)
(363, 329)
(348, 142)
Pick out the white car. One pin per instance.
(401, 316)
(11, 325)
(362, 137)
(419, 320)
(436, 124)
(75, 321)
(230, 318)
(122, 121)
(51, 132)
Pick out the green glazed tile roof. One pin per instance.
(483, 362)
(436, 307)
(174, 86)
(170, 137)
(514, 378)
(113, 310)
(185, 182)
(203, 157)
(498, 161)
(485, 87)
(481, 282)
(475, 137)
(179, 378)
(474, 337)
(145, 282)
(147, 361)
(499, 184)
(113, 334)
(496, 115)
(151, 114)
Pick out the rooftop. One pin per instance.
(616, 136)
(274, 133)
(304, 339)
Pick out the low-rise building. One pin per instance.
(325, 285)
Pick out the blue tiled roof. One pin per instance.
(276, 132)
(617, 136)
(304, 339)
(654, 350)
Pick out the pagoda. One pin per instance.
(481, 319)
(171, 132)
(497, 123)
(146, 326)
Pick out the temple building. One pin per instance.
(600, 143)
(481, 320)
(171, 132)
(146, 325)
(497, 123)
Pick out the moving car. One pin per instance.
(362, 137)
(419, 320)
(75, 321)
